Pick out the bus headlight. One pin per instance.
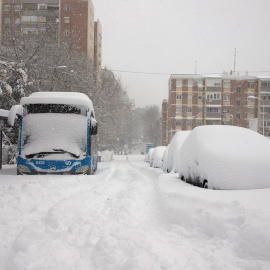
(82, 170)
(23, 169)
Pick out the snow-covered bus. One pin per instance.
(58, 134)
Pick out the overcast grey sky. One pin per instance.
(168, 36)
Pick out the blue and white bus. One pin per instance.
(58, 134)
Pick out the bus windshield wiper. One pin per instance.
(56, 151)
(61, 151)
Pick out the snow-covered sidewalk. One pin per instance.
(129, 216)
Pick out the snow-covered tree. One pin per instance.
(31, 67)
(152, 124)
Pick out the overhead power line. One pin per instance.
(142, 72)
(169, 74)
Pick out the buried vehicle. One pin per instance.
(225, 157)
(156, 160)
(149, 155)
(57, 134)
(173, 150)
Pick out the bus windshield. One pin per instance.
(60, 134)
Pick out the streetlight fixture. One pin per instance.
(252, 97)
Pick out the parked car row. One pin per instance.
(217, 157)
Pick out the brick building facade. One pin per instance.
(195, 100)
(55, 21)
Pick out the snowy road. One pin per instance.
(129, 216)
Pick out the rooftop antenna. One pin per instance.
(196, 67)
(234, 61)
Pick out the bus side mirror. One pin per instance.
(14, 111)
(94, 129)
(93, 126)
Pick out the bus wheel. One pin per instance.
(89, 172)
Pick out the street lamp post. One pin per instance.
(232, 118)
(252, 97)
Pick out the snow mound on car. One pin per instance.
(227, 157)
(173, 151)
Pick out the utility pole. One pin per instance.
(234, 61)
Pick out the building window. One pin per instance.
(226, 97)
(189, 109)
(178, 97)
(18, 20)
(7, 20)
(238, 102)
(238, 116)
(17, 8)
(29, 6)
(178, 122)
(238, 89)
(213, 82)
(42, 6)
(266, 83)
(66, 19)
(213, 96)
(189, 96)
(178, 109)
(190, 82)
(227, 84)
(212, 110)
(53, 6)
(251, 85)
(29, 19)
(7, 8)
(199, 97)
(66, 7)
(200, 110)
(42, 19)
(199, 122)
(178, 83)
(189, 123)
(66, 33)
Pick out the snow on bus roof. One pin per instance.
(70, 98)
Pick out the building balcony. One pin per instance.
(265, 89)
(213, 115)
(213, 102)
(213, 89)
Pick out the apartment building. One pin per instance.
(98, 45)
(56, 22)
(164, 118)
(195, 100)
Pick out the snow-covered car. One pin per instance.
(149, 155)
(164, 159)
(225, 157)
(156, 160)
(174, 148)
